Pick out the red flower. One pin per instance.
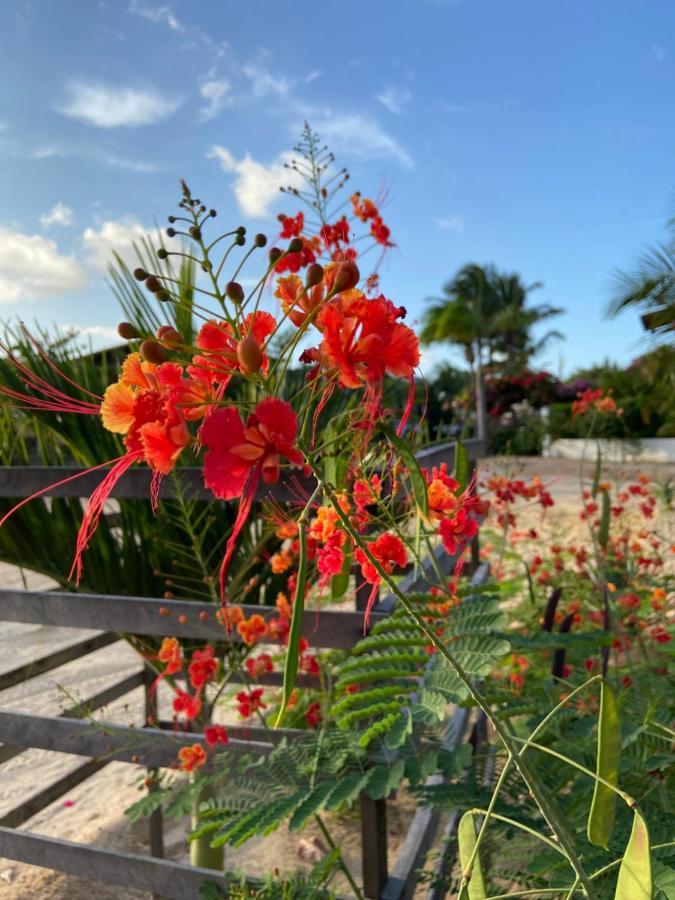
(330, 558)
(215, 734)
(217, 339)
(629, 601)
(240, 454)
(309, 664)
(363, 340)
(236, 451)
(389, 550)
(458, 531)
(291, 226)
(187, 705)
(313, 715)
(202, 667)
(259, 665)
(192, 757)
(250, 702)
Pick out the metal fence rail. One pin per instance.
(156, 747)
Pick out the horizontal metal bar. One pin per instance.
(54, 659)
(141, 615)
(174, 881)
(107, 695)
(22, 481)
(150, 747)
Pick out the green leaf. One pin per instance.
(419, 485)
(603, 806)
(596, 474)
(603, 530)
(346, 790)
(635, 874)
(311, 805)
(462, 468)
(384, 780)
(466, 840)
(293, 648)
(340, 583)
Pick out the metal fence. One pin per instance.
(155, 746)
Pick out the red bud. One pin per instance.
(249, 354)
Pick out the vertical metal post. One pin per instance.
(373, 845)
(155, 822)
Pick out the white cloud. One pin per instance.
(362, 137)
(31, 267)
(263, 82)
(313, 75)
(217, 96)
(163, 15)
(256, 185)
(450, 223)
(113, 236)
(395, 99)
(59, 214)
(111, 106)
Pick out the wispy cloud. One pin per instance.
(256, 185)
(102, 331)
(101, 157)
(112, 106)
(313, 75)
(395, 99)
(361, 137)
(217, 95)
(32, 267)
(162, 14)
(450, 223)
(264, 82)
(59, 214)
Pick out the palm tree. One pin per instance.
(484, 312)
(649, 287)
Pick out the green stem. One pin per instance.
(202, 854)
(343, 865)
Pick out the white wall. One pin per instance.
(658, 450)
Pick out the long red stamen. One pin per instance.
(408, 407)
(53, 365)
(92, 513)
(56, 484)
(242, 515)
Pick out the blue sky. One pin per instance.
(537, 136)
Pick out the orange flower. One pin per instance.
(281, 562)
(230, 616)
(171, 655)
(192, 757)
(252, 630)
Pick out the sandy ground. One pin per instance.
(93, 813)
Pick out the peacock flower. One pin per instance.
(218, 361)
(240, 454)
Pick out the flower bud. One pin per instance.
(260, 240)
(295, 245)
(213, 213)
(140, 274)
(195, 233)
(348, 277)
(314, 274)
(153, 352)
(163, 296)
(240, 240)
(162, 253)
(128, 331)
(249, 354)
(171, 232)
(153, 284)
(234, 291)
(274, 255)
(169, 337)
(241, 230)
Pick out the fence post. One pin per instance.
(155, 822)
(373, 845)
